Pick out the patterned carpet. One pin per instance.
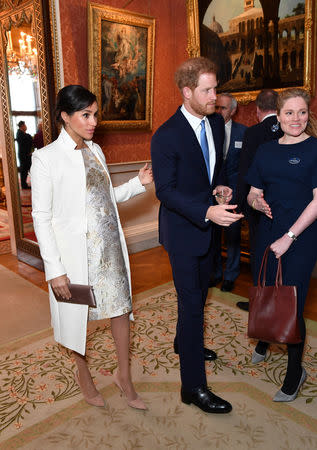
(42, 408)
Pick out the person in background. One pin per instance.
(226, 105)
(38, 140)
(266, 130)
(25, 143)
(187, 156)
(283, 180)
(81, 241)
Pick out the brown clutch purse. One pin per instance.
(82, 294)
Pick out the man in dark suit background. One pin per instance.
(226, 105)
(266, 130)
(186, 160)
(25, 143)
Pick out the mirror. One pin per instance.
(27, 86)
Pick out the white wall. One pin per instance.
(139, 216)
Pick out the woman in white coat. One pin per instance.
(81, 240)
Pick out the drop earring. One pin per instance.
(275, 127)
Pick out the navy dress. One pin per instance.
(287, 173)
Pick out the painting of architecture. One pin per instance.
(257, 43)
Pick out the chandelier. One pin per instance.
(22, 59)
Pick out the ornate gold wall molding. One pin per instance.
(6, 5)
(32, 12)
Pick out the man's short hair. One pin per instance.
(21, 123)
(234, 103)
(267, 100)
(188, 73)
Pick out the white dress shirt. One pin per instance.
(195, 123)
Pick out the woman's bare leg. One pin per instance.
(120, 328)
(86, 382)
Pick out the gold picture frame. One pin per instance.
(121, 58)
(306, 59)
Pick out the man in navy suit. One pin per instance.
(226, 105)
(186, 161)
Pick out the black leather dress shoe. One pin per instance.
(243, 305)
(227, 286)
(209, 355)
(206, 400)
(214, 281)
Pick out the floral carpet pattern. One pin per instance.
(41, 406)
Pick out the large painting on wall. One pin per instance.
(256, 43)
(121, 45)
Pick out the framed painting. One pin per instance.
(257, 44)
(121, 53)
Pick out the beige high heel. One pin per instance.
(136, 403)
(97, 400)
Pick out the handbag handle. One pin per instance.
(278, 278)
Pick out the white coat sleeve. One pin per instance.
(42, 197)
(128, 190)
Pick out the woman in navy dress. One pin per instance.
(283, 179)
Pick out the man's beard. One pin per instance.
(203, 110)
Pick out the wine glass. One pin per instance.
(222, 195)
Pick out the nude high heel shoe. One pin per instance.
(97, 400)
(136, 403)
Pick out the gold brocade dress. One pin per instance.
(107, 272)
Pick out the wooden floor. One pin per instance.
(151, 268)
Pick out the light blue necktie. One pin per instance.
(204, 146)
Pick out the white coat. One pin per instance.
(60, 223)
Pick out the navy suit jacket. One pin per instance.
(231, 163)
(182, 184)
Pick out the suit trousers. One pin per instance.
(191, 277)
(25, 165)
(232, 241)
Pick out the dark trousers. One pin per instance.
(232, 241)
(25, 165)
(191, 276)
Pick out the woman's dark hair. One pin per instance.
(72, 98)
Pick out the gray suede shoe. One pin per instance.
(257, 357)
(281, 397)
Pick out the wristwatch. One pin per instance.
(291, 235)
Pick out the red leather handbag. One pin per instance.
(273, 309)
